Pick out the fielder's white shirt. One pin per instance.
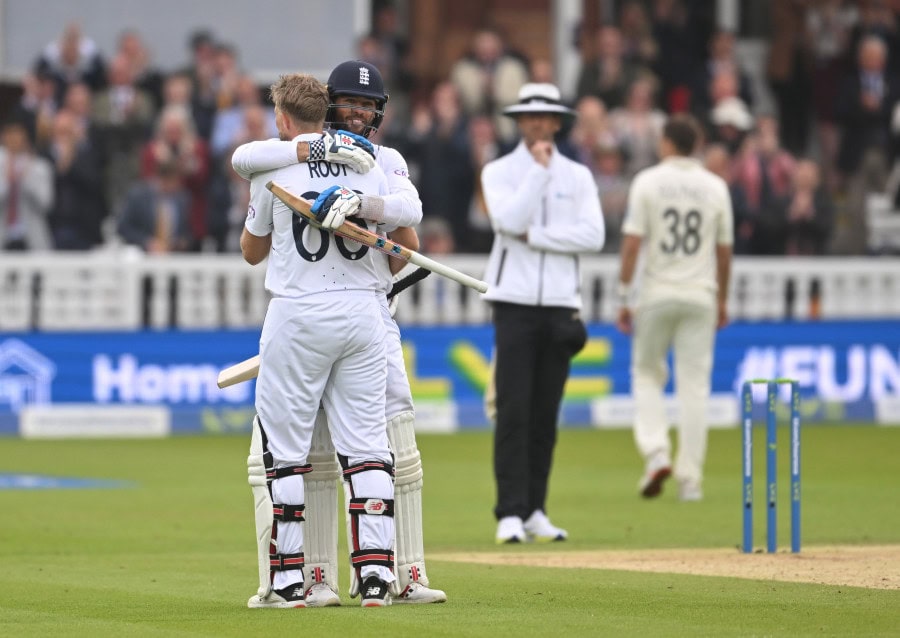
(306, 260)
(682, 211)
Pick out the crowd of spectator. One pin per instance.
(103, 147)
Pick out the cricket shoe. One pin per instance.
(689, 490)
(659, 468)
(539, 529)
(418, 594)
(510, 530)
(290, 596)
(321, 595)
(375, 592)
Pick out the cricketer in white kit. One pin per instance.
(357, 102)
(681, 215)
(322, 342)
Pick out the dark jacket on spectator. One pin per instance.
(864, 129)
(79, 206)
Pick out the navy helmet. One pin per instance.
(359, 79)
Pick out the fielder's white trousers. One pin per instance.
(689, 330)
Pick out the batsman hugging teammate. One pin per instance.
(356, 106)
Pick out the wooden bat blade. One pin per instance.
(347, 229)
(379, 243)
(239, 372)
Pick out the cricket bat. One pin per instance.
(243, 371)
(382, 244)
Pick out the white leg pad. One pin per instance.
(410, 550)
(262, 507)
(371, 532)
(374, 532)
(354, 580)
(321, 485)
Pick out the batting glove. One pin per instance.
(334, 205)
(342, 147)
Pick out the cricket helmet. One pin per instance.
(359, 79)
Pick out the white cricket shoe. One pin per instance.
(539, 529)
(290, 596)
(659, 468)
(321, 595)
(690, 490)
(418, 594)
(510, 530)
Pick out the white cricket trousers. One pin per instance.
(689, 330)
(328, 348)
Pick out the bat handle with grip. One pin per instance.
(421, 260)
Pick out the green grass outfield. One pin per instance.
(174, 555)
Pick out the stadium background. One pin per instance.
(76, 333)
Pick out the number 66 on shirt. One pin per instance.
(379, 243)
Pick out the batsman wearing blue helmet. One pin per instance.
(356, 110)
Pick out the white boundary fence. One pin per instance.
(127, 290)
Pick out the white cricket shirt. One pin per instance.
(682, 211)
(306, 260)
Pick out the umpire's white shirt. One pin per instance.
(306, 260)
(682, 211)
(559, 208)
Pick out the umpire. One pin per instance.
(545, 211)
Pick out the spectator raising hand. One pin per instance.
(809, 212)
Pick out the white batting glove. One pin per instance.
(334, 205)
(342, 147)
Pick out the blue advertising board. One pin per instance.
(846, 370)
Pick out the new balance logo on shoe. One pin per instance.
(376, 592)
(287, 597)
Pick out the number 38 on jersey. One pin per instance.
(683, 231)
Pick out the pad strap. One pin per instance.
(372, 506)
(365, 467)
(285, 562)
(379, 557)
(288, 513)
(273, 473)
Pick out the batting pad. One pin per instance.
(409, 550)
(348, 521)
(321, 488)
(262, 506)
(371, 514)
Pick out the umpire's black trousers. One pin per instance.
(533, 348)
